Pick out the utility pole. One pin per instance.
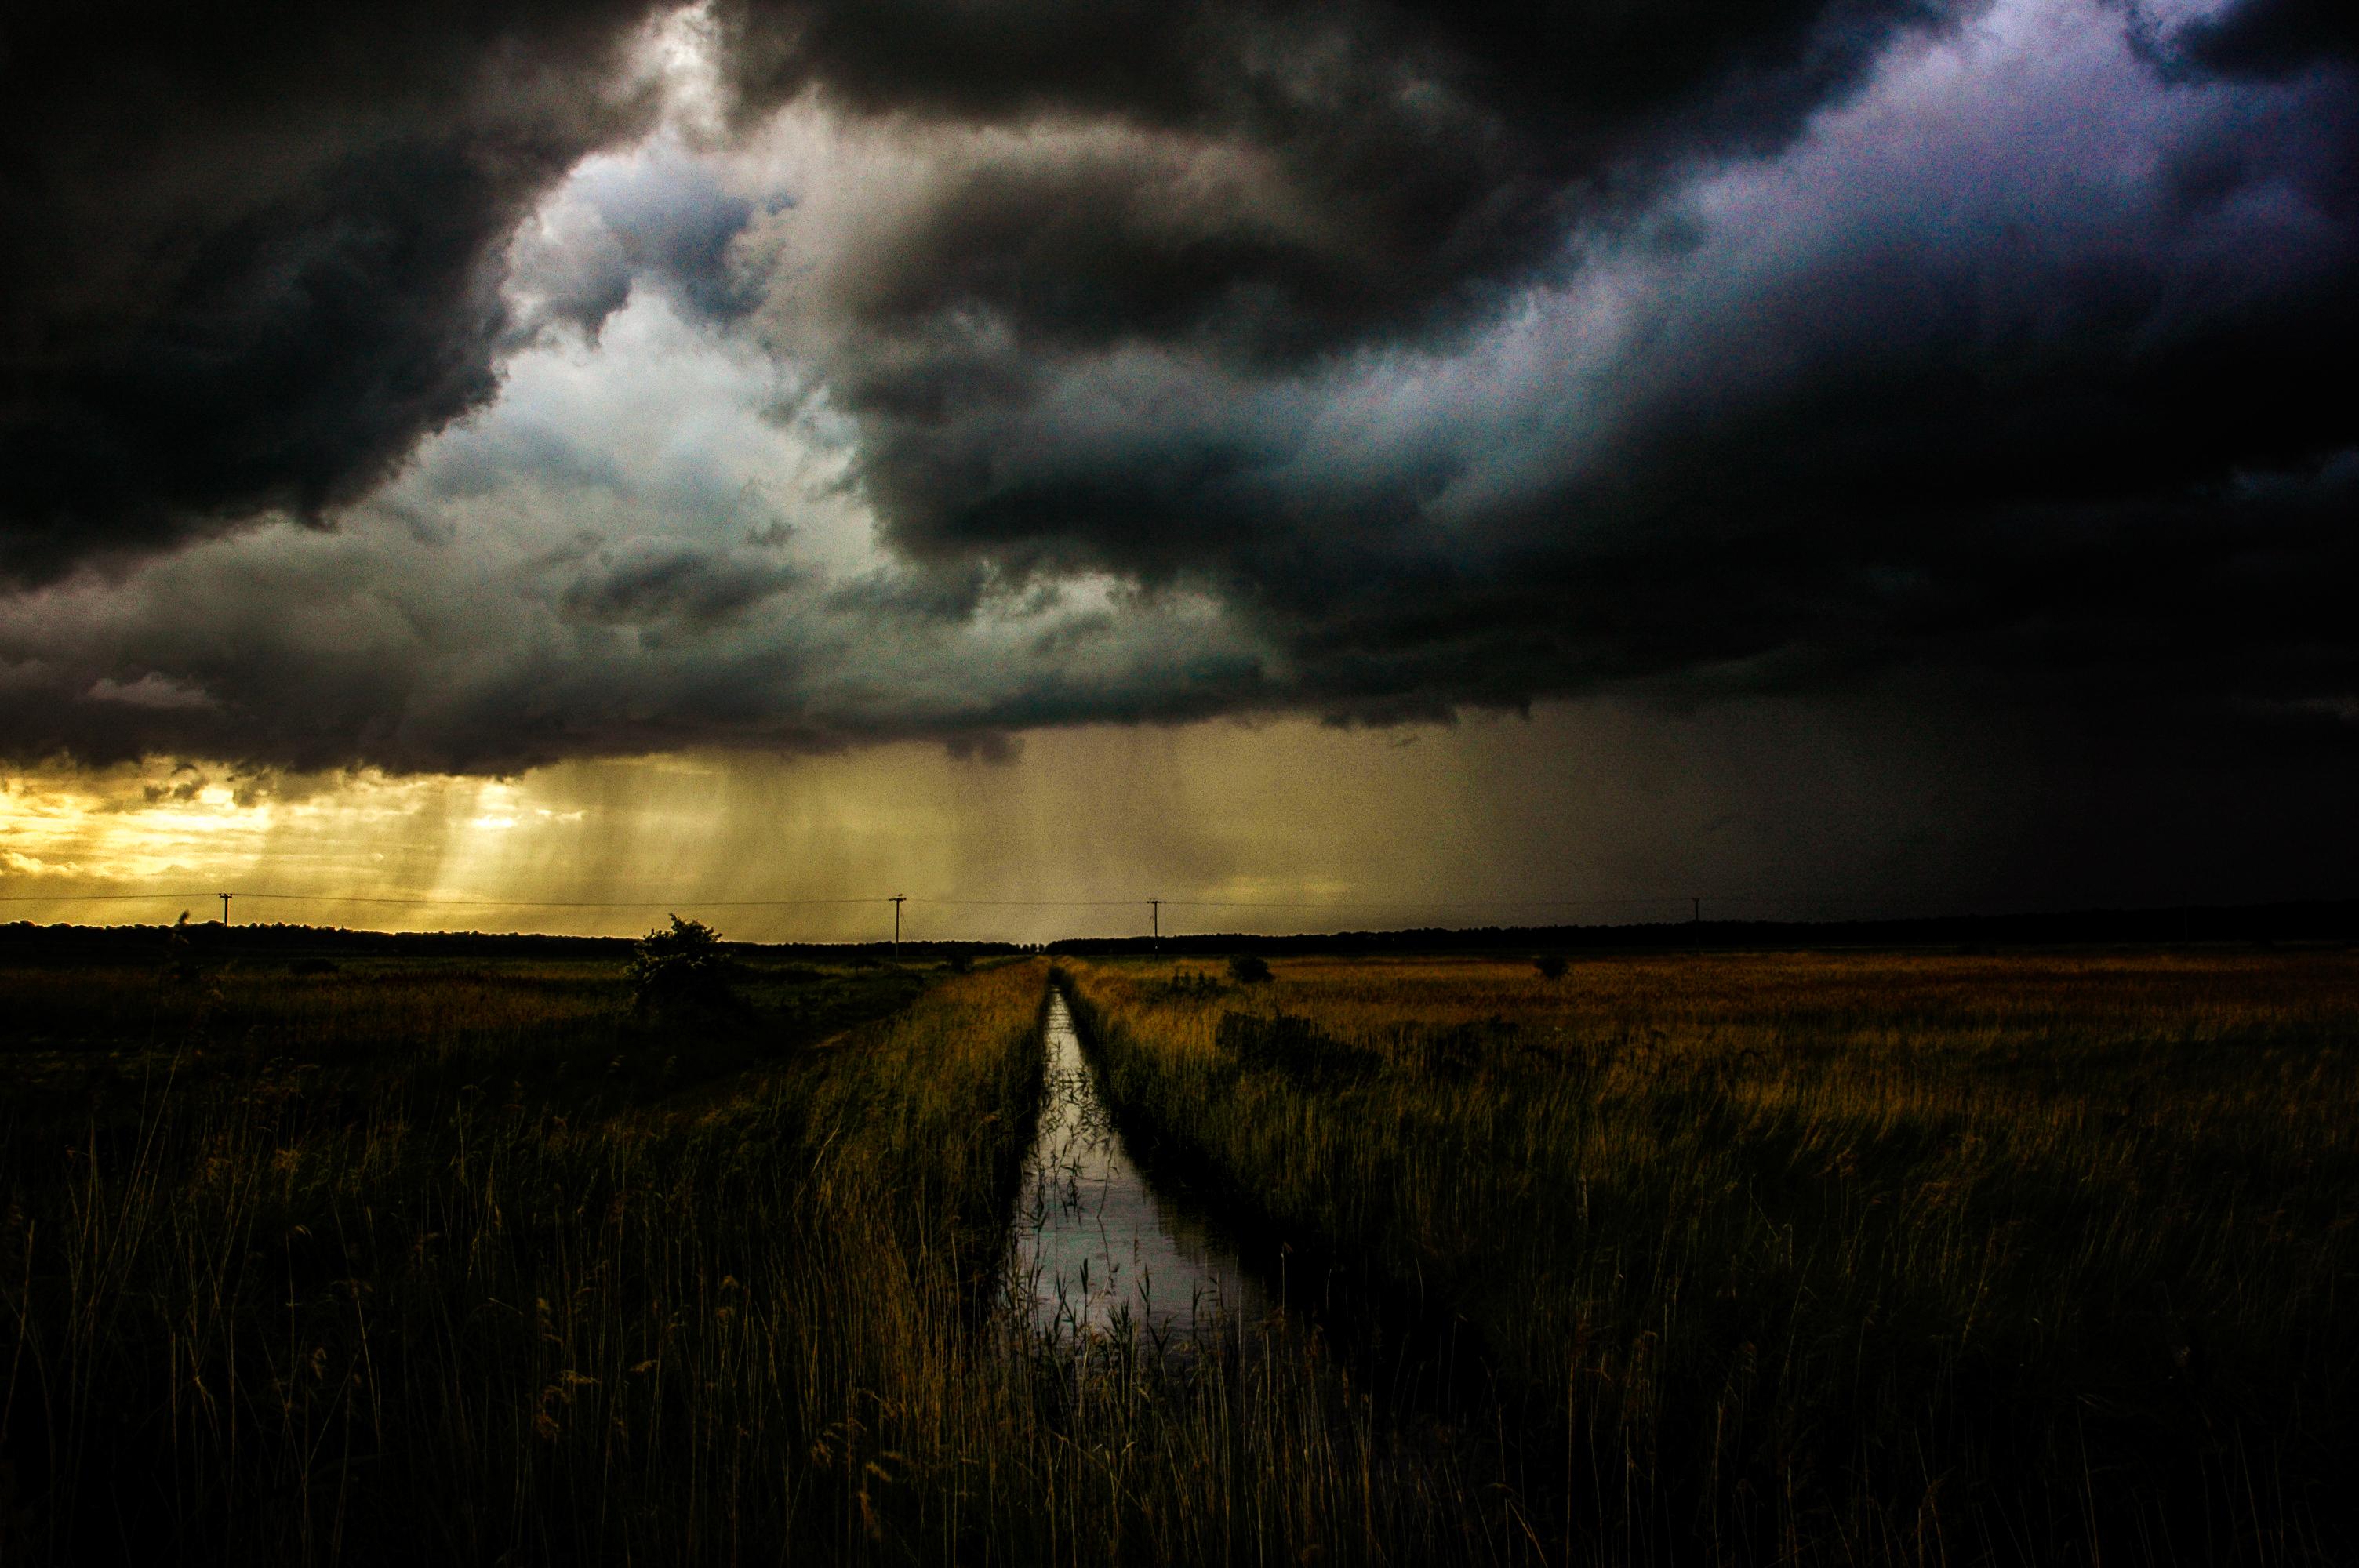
(1155, 911)
(225, 898)
(1699, 910)
(896, 920)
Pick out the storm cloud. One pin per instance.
(2011, 366)
(247, 264)
(471, 391)
(255, 250)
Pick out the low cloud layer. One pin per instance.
(470, 395)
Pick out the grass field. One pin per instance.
(448, 1262)
(406, 1260)
(1788, 1257)
(1760, 1259)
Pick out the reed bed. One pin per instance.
(473, 1265)
(357, 1268)
(1822, 1258)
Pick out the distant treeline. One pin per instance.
(2307, 921)
(212, 937)
(2315, 921)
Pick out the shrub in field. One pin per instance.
(680, 967)
(1246, 970)
(1550, 966)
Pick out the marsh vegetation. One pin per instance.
(1751, 1258)
(1793, 1258)
(482, 1263)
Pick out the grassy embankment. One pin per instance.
(466, 1263)
(2037, 1258)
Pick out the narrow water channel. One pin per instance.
(1098, 1248)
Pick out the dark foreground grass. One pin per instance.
(358, 1263)
(1775, 1258)
(1843, 1258)
(472, 1264)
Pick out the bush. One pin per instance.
(1550, 966)
(1247, 969)
(681, 966)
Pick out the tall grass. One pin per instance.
(385, 1305)
(1826, 1259)
(448, 1267)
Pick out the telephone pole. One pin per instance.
(1155, 911)
(896, 920)
(1699, 910)
(225, 898)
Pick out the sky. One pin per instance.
(1362, 464)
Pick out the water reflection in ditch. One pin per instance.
(1097, 1250)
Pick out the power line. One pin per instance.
(1034, 903)
(95, 897)
(1419, 903)
(559, 903)
(1154, 905)
(441, 902)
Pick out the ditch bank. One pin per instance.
(1399, 1341)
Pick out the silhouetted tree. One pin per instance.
(682, 964)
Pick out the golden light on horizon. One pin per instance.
(1580, 811)
(1282, 824)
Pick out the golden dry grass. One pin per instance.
(1829, 1257)
(1850, 1258)
(404, 1276)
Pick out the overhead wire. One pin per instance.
(439, 900)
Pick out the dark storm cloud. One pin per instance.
(1451, 354)
(1276, 62)
(659, 586)
(1278, 179)
(2274, 37)
(249, 246)
(2038, 392)
(254, 249)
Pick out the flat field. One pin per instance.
(1767, 1258)
(440, 1261)
(1790, 1257)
